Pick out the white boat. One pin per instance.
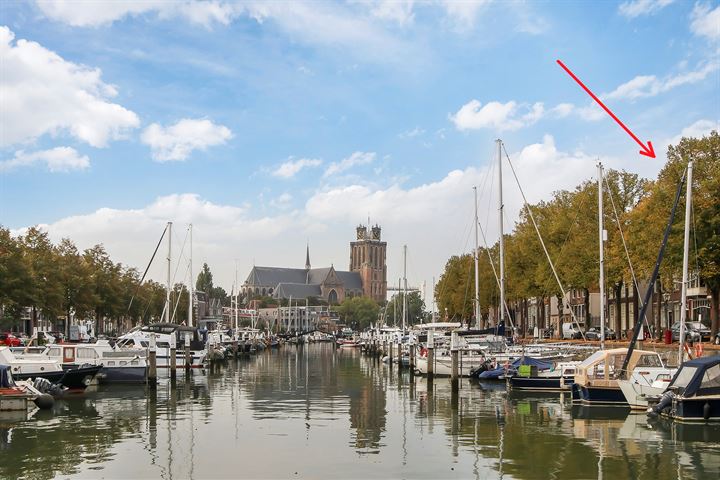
(646, 385)
(118, 365)
(140, 337)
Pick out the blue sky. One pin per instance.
(269, 125)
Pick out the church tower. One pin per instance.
(368, 256)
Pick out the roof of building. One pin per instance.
(273, 276)
(350, 280)
(297, 290)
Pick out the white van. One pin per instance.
(571, 331)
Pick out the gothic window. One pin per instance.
(333, 297)
(263, 292)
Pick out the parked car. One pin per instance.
(691, 334)
(9, 340)
(594, 334)
(571, 331)
(701, 329)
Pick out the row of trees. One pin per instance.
(58, 282)
(568, 224)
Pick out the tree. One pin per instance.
(45, 290)
(454, 290)
(359, 312)
(105, 281)
(78, 297)
(15, 280)
(415, 309)
(204, 280)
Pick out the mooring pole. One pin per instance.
(152, 367)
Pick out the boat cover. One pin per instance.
(706, 379)
(6, 380)
(512, 368)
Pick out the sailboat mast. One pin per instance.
(601, 233)
(686, 252)
(169, 280)
(477, 271)
(502, 239)
(237, 290)
(404, 317)
(192, 290)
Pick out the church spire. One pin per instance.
(307, 257)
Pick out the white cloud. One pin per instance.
(397, 11)
(462, 14)
(649, 85)
(95, 13)
(698, 129)
(177, 142)
(415, 132)
(636, 8)
(290, 168)
(495, 115)
(357, 158)
(45, 94)
(282, 202)
(705, 22)
(58, 159)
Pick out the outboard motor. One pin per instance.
(665, 402)
(45, 386)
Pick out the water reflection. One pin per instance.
(315, 411)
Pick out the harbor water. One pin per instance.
(315, 411)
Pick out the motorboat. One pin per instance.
(118, 365)
(41, 366)
(597, 377)
(543, 376)
(693, 393)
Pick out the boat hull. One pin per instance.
(693, 409)
(599, 395)
(540, 383)
(74, 379)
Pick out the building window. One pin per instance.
(332, 297)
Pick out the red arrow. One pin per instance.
(646, 150)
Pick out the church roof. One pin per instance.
(350, 280)
(297, 290)
(271, 276)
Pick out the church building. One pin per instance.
(367, 276)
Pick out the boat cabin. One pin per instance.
(698, 377)
(603, 367)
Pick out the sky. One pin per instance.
(274, 125)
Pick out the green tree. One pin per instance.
(415, 309)
(359, 312)
(104, 276)
(204, 281)
(45, 289)
(15, 279)
(78, 297)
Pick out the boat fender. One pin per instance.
(706, 411)
(44, 401)
(665, 402)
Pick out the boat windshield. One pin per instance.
(649, 360)
(684, 376)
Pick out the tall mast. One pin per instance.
(432, 308)
(601, 233)
(477, 271)
(169, 280)
(237, 290)
(686, 251)
(404, 317)
(192, 290)
(502, 240)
